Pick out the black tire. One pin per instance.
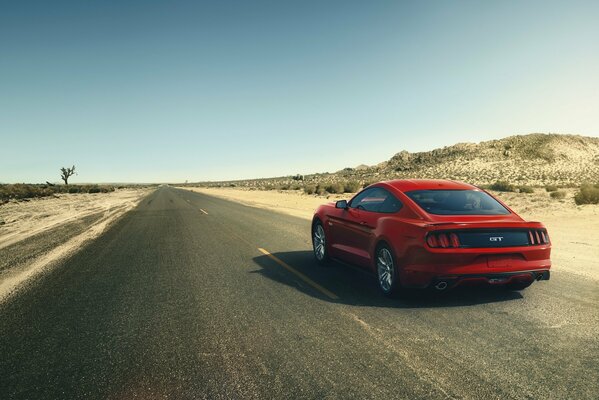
(518, 285)
(319, 243)
(386, 271)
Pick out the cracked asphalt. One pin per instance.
(177, 301)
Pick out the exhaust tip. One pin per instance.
(539, 277)
(441, 285)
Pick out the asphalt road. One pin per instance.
(178, 301)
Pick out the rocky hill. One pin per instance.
(534, 160)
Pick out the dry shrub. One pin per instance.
(526, 189)
(335, 188)
(310, 189)
(588, 194)
(352, 187)
(502, 186)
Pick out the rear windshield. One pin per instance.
(457, 202)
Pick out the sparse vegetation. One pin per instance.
(535, 160)
(502, 186)
(526, 189)
(335, 188)
(588, 194)
(310, 189)
(22, 191)
(320, 190)
(352, 187)
(558, 195)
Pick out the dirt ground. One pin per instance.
(37, 232)
(574, 230)
(26, 218)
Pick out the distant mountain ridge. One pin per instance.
(536, 159)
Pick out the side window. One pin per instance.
(390, 205)
(376, 200)
(360, 200)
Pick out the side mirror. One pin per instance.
(341, 204)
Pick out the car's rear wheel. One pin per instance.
(386, 271)
(319, 243)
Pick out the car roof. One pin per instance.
(406, 185)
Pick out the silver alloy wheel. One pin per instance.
(319, 242)
(384, 266)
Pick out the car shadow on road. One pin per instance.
(356, 286)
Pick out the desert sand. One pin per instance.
(574, 230)
(37, 219)
(23, 219)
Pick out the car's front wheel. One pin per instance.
(386, 271)
(319, 243)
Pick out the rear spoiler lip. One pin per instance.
(487, 224)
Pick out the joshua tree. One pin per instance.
(66, 173)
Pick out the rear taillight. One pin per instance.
(432, 241)
(454, 241)
(443, 240)
(538, 236)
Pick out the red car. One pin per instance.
(432, 233)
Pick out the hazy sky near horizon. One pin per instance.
(156, 91)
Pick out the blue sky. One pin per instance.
(155, 91)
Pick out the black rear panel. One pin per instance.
(493, 238)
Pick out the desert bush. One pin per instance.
(24, 191)
(94, 189)
(526, 189)
(335, 188)
(502, 186)
(351, 187)
(21, 191)
(310, 189)
(558, 194)
(551, 188)
(588, 194)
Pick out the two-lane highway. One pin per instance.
(189, 296)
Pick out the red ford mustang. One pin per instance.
(432, 233)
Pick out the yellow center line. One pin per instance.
(303, 277)
(203, 211)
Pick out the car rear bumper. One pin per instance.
(493, 269)
(451, 281)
